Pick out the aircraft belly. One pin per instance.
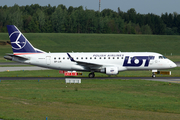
(140, 68)
(63, 65)
(78, 67)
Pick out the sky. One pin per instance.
(141, 6)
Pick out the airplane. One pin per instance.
(110, 63)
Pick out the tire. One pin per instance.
(91, 75)
(153, 76)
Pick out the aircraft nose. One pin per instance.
(173, 65)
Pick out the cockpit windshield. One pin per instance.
(162, 57)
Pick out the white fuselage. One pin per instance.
(122, 60)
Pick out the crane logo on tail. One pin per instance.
(17, 40)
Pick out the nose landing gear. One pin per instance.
(154, 72)
(153, 75)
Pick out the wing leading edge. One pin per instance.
(84, 63)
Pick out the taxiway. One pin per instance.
(161, 79)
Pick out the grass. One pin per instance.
(174, 58)
(55, 73)
(93, 99)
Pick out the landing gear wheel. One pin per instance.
(153, 75)
(91, 75)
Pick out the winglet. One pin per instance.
(71, 58)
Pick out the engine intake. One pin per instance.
(112, 70)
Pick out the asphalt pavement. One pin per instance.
(163, 79)
(2, 69)
(30, 67)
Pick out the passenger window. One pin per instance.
(55, 58)
(117, 57)
(108, 57)
(104, 57)
(100, 58)
(59, 58)
(82, 58)
(95, 58)
(90, 57)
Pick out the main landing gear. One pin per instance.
(91, 75)
(153, 75)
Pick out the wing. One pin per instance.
(88, 64)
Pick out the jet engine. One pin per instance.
(110, 70)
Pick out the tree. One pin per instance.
(4, 20)
(137, 29)
(91, 21)
(106, 28)
(78, 19)
(119, 24)
(100, 24)
(178, 23)
(146, 29)
(33, 26)
(70, 10)
(109, 13)
(59, 19)
(129, 28)
(35, 18)
(41, 19)
(159, 26)
(15, 16)
(132, 15)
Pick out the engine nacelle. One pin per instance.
(112, 70)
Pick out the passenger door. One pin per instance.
(48, 60)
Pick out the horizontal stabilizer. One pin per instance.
(10, 57)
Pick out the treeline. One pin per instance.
(48, 19)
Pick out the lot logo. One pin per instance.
(111, 71)
(137, 61)
(17, 40)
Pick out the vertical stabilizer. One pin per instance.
(20, 45)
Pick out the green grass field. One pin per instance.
(92, 99)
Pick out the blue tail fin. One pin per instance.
(19, 43)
